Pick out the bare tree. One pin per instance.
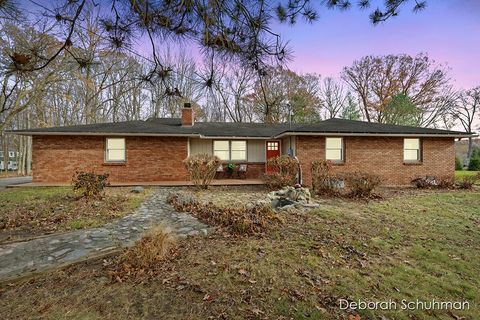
(377, 79)
(333, 98)
(235, 29)
(282, 92)
(465, 113)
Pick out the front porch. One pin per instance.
(215, 182)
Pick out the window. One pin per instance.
(230, 150)
(239, 150)
(411, 150)
(334, 149)
(221, 149)
(273, 146)
(115, 150)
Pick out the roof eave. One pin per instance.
(364, 134)
(142, 134)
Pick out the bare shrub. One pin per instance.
(89, 184)
(285, 170)
(426, 182)
(446, 183)
(362, 184)
(236, 220)
(144, 258)
(202, 169)
(467, 182)
(323, 181)
(431, 182)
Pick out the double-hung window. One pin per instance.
(115, 150)
(334, 149)
(412, 150)
(234, 150)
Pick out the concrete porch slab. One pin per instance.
(216, 182)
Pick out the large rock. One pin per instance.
(138, 189)
(290, 193)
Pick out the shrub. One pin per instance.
(144, 258)
(236, 220)
(323, 182)
(361, 184)
(285, 172)
(425, 182)
(202, 168)
(474, 164)
(89, 184)
(446, 183)
(467, 182)
(458, 164)
(430, 182)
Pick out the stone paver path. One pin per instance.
(22, 258)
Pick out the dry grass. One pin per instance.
(238, 220)
(142, 260)
(413, 246)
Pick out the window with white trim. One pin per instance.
(115, 150)
(412, 150)
(334, 149)
(234, 150)
(238, 150)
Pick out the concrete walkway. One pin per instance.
(15, 181)
(24, 258)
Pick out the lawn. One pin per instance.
(31, 212)
(463, 173)
(414, 246)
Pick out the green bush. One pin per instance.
(474, 164)
(458, 164)
(284, 174)
(202, 169)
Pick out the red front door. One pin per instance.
(273, 150)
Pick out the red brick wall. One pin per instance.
(55, 158)
(382, 156)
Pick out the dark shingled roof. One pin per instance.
(173, 126)
(352, 126)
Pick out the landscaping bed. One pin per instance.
(415, 246)
(30, 212)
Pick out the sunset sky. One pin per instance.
(448, 30)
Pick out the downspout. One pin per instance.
(290, 149)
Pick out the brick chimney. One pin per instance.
(188, 117)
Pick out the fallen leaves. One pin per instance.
(58, 210)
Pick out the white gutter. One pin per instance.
(234, 137)
(30, 133)
(196, 135)
(347, 134)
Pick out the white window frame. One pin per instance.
(342, 149)
(124, 150)
(230, 150)
(419, 150)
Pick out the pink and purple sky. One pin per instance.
(448, 30)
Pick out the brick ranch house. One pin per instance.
(153, 150)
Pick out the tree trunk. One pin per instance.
(470, 150)
(29, 156)
(5, 152)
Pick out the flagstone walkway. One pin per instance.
(23, 258)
